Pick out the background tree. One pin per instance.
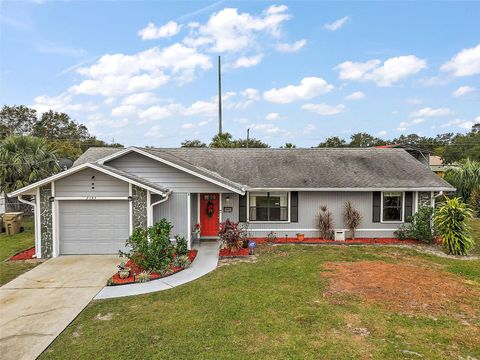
(365, 140)
(289, 146)
(195, 143)
(16, 120)
(466, 179)
(224, 140)
(252, 143)
(25, 160)
(333, 142)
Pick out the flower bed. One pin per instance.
(135, 270)
(364, 241)
(24, 255)
(227, 253)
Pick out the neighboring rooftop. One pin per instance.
(330, 168)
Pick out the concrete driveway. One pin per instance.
(38, 305)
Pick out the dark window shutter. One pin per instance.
(408, 204)
(377, 204)
(294, 206)
(242, 208)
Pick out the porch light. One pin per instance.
(227, 198)
(251, 246)
(130, 198)
(51, 199)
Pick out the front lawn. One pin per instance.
(295, 302)
(10, 245)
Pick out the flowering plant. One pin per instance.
(196, 228)
(232, 235)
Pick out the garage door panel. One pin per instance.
(93, 227)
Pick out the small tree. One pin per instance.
(451, 221)
(419, 226)
(352, 218)
(325, 223)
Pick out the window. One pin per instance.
(392, 208)
(269, 206)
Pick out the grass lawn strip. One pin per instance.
(279, 306)
(13, 244)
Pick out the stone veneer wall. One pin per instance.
(46, 232)
(139, 207)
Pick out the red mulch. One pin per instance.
(368, 241)
(24, 255)
(226, 253)
(135, 269)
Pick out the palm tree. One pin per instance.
(466, 178)
(25, 160)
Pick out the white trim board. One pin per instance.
(330, 189)
(169, 163)
(77, 169)
(310, 230)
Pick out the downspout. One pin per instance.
(159, 202)
(37, 226)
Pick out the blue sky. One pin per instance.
(144, 73)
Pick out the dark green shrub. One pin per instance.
(451, 221)
(419, 226)
(402, 232)
(182, 247)
(181, 261)
(151, 248)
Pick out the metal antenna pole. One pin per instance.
(248, 136)
(219, 97)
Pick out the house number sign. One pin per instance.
(210, 197)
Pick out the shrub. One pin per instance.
(420, 227)
(402, 232)
(325, 223)
(151, 248)
(181, 261)
(232, 235)
(352, 218)
(451, 221)
(144, 276)
(181, 248)
(271, 237)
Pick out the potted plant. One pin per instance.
(123, 271)
(300, 236)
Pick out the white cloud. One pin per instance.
(120, 74)
(461, 123)
(272, 116)
(414, 101)
(291, 48)
(357, 95)
(151, 32)
(62, 50)
(465, 63)
(463, 90)
(246, 62)
(251, 94)
(406, 124)
(144, 98)
(337, 24)
(324, 109)
(309, 87)
(124, 110)
(429, 112)
(309, 128)
(266, 128)
(386, 74)
(382, 133)
(60, 103)
(96, 122)
(231, 31)
(156, 131)
(157, 112)
(188, 126)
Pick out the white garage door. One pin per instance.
(93, 227)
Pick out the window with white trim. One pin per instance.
(268, 206)
(392, 206)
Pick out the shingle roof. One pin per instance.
(325, 168)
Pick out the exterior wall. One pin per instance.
(164, 175)
(229, 201)
(139, 207)
(82, 184)
(46, 229)
(308, 207)
(175, 211)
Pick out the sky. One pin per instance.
(145, 73)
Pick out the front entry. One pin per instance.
(209, 215)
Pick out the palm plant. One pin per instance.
(352, 218)
(452, 224)
(466, 179)
(325, 223)
(25, 160)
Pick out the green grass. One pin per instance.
(272, 309)
(476, 236)
(10, 245)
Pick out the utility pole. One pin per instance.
(248, 136)
(219, 97)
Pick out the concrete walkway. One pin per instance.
(205, 262)
(36, 306)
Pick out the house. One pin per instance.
(93, 207)
(438, 167)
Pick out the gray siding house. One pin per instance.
(93, 207)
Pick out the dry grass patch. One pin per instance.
(403, 287)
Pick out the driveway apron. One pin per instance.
(38, 305)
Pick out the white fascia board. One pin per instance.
(352, 189)
(166, 162)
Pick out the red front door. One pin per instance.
(209, 214)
